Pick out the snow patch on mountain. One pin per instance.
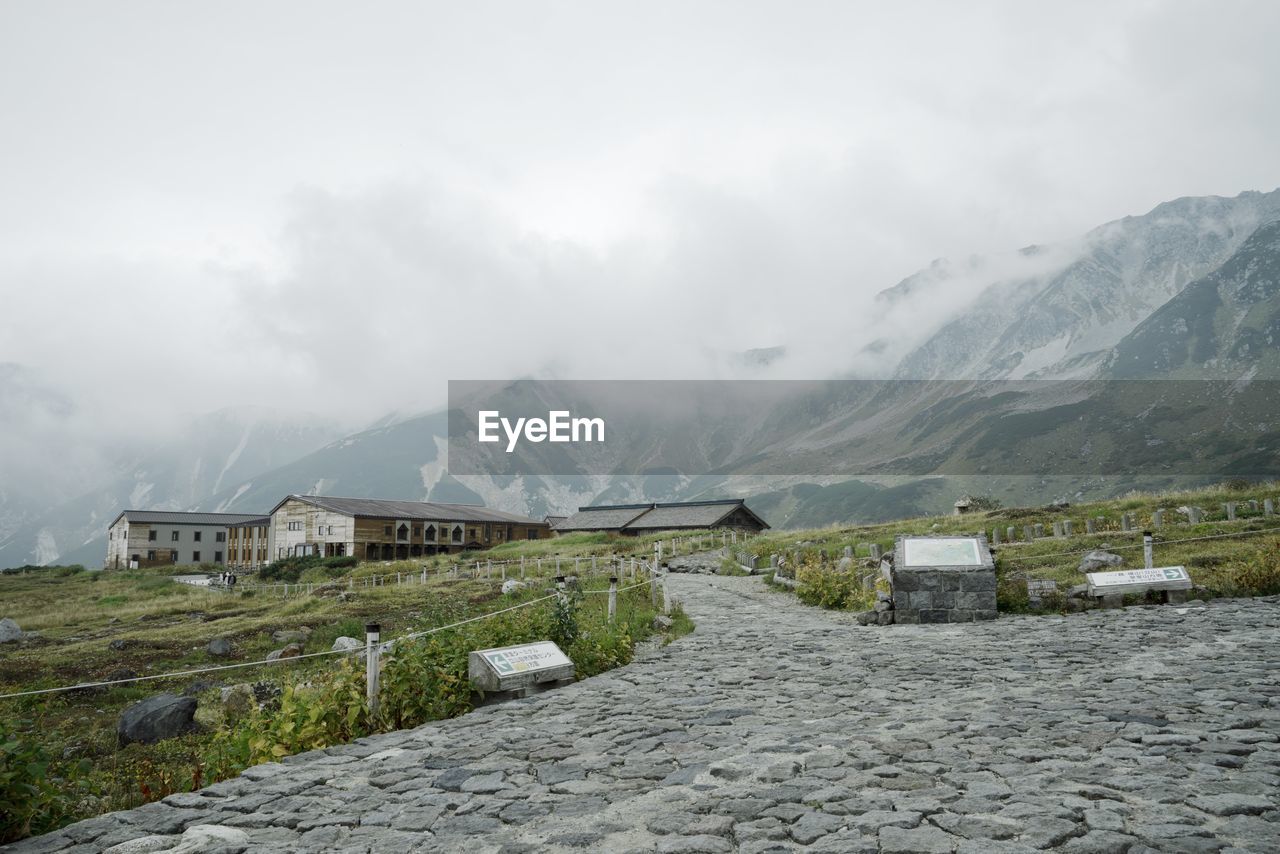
(433, 472)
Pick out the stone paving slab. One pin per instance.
(778, 727)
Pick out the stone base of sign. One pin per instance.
(943, 594)
(489, 698)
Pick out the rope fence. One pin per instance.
(383, 645)
(485, 568)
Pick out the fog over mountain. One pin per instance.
(1187, 290)
(245, 247)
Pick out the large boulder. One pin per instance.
(293, 650)
(155, 719)
(511, 585)
(9, 631)
(298, 635)
(346, 644)
(1097, 559)
(220, 648)
(238, 701)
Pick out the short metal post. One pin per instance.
(1147, 549)
(613, 597)
(372, 633)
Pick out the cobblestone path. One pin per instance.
(781, 727)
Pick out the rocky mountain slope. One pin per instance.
(1187, 291)
(1063, 321)
(213, 454)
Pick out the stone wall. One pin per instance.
(943, 594)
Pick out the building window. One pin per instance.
(217, 557)
(431, 533)
(151, 538)
(295, 526)
(151, 555)
(533, 533)
(402, 533)
(320, 530)
(195, 557)
(111, 535)
(220, 537)
(173, 536)
(198, 535)
(457, 533)
(386, 532)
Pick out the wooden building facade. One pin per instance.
(249, 544)
(374, 529)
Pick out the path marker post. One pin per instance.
(372, 634)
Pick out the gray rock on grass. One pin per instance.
(156, 719)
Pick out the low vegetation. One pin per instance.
(59, 759)
(1239, 558)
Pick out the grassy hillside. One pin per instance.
(1224, 558)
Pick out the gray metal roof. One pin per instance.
(378, 508)
(177, 517)
(603, 518)
(654, 517)
(692, 515)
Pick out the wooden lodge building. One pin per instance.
(373, 529)
(728, 513)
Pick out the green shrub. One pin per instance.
(830, 588)
(1259, 575)
(600, 648)
(29, 801)
(330, 710)
(425, 680)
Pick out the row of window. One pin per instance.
(218, 536)
(173, 556)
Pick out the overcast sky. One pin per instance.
(339, 206)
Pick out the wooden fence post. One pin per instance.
(613, 597)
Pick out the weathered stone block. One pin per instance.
(977, 581)
(919, 599)
(928, 591)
